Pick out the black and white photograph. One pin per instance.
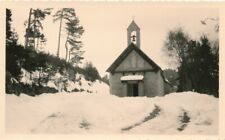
(139, 68)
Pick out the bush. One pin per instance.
(91, 72)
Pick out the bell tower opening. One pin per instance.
(133, 37)
(133, 34)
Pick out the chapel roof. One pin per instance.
(125, 53)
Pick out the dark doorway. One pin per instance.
(132, 89)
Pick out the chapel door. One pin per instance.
(135, 90)
(132, 89)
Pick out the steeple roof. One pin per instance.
(133, 25)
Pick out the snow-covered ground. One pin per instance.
(62, 83)
(94, 113)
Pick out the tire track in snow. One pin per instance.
(184, 119)
(151, 116)
(48, 118)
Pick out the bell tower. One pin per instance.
(133, 34)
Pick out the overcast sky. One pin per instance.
(105, 27)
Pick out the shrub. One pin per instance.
(91, 72)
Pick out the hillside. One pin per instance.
(34, 73)
(95, 113)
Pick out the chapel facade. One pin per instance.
(133, 73)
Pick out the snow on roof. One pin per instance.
(132, 77)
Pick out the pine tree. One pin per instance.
(203, 69)
(8, 25)
(74, 32)
(12, 48)
(34, 35)
(63, 15)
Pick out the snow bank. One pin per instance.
(104, 113)
(63, 83)
(80, 84)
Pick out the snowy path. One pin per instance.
(82, 113)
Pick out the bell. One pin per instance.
(133, 38)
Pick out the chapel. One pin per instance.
(133, 73)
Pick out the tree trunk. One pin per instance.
(28, 29)
(34, 35)
(60, 26)
(66, 46)
(37, 45)
(69, 56)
